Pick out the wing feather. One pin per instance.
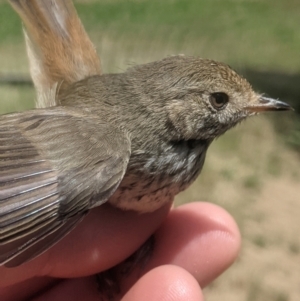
(54, 166)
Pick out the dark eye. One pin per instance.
(219, 100)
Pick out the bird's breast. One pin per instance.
(153, 180)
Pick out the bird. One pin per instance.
(133, 139)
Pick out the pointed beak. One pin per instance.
(268, 104)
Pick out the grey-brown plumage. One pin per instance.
(134, 139)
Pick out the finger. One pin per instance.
(26, 289)
(166, 283)
(201, 238)
(163, 283)
(72, 289)
(105, 237)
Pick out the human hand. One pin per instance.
(194, 243)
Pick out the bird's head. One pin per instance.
(200, 98)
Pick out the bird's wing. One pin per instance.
(60, 51)
(55, 165)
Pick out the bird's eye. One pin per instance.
(219, 100)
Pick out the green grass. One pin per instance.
(261, 34)
(294, 248)
(252, 182)
(15, 98)
(10, 29)
(260, 241)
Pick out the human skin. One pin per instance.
(194, 243)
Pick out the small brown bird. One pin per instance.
(134, 139)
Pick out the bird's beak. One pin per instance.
(268, 104)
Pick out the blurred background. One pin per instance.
(254, 170)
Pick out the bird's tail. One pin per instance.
(60, 51)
